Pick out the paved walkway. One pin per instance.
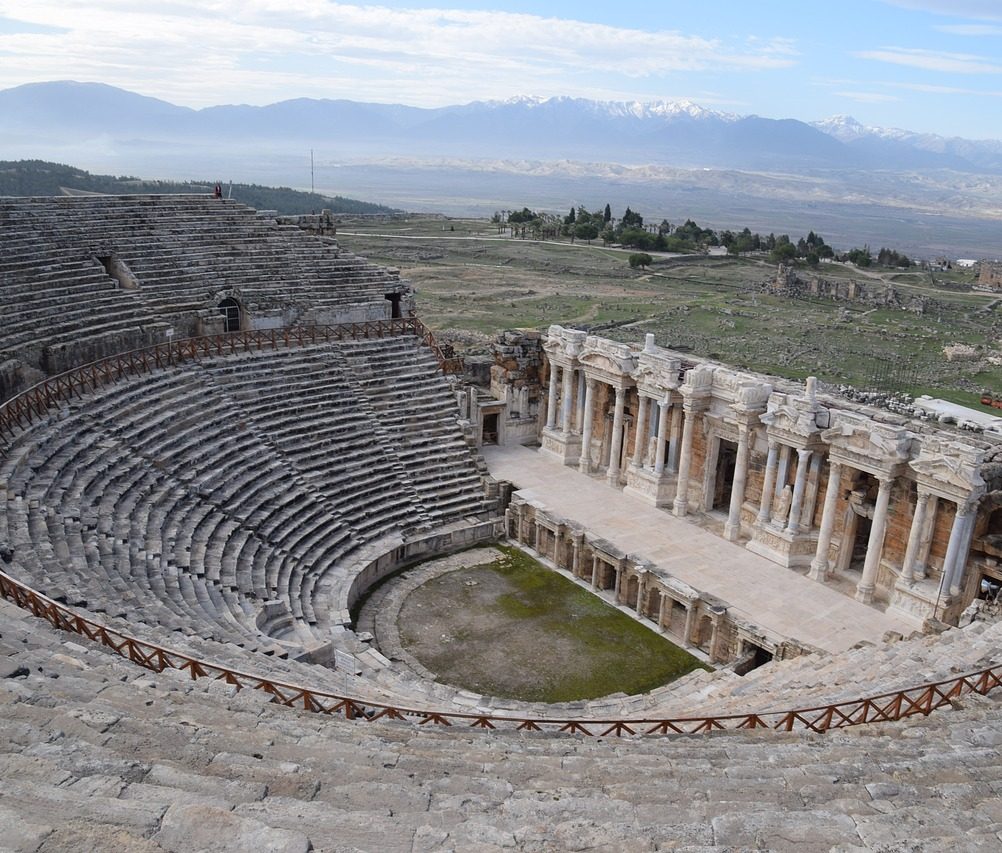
(765, 594)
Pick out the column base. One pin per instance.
(680, 507)
(614, 478)
(732, 532)
(819, 571)
(864, 595)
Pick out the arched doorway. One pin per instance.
(230, 309)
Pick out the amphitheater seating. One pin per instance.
(97, 754)
(192, 498)
(183, 250)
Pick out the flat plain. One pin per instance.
(472, 282)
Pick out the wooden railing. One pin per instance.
(20, 411)
(885, 707)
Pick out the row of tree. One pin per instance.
(632, 232)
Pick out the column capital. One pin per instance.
(966, 507)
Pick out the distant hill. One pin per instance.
(680, 134)
(39, 178)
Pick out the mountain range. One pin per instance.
(680, 134)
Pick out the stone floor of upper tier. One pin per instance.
(770, 596)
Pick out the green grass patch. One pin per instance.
(514, 628)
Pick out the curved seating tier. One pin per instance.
(180, 251)
(97, 754)
(237, 498)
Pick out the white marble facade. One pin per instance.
(881, 505)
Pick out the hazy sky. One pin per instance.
(928, 65)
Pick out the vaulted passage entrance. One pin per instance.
(230, 309)
(727, 459)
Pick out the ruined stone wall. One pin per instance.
(795, 284)
(991, 275)
(518, 362)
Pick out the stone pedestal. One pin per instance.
(560, 445)
(650, 487)
(783, 547)
(914, 602)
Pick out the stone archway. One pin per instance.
(232, 314)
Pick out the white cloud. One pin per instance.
(978, 9)
(257, 51)
(868, 97)
(932, 60)
(971, 29)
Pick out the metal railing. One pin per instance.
(885, 707)
(21, 410)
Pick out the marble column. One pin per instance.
(681, 505)
(551, 403)
(567, 398)
(690, 620)
(617, 437)
(956, 550)
(797, 505)
(732, 528)
(579, 412)
(675, 444)
(584, 464)
(640, 437)
(921, 567)
(769, 484)
(915, 535)
(594, 572)
(641, 591)
(661, 611)
(662, 445)
(782, 474)
(875, 544)
(575, 557)
(820, 565)
(653, 415)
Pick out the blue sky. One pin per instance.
(925, 65)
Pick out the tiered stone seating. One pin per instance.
(199, 497)
(97, 754)
(183, 251)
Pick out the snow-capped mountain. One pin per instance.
(928, 148)
(676, 133)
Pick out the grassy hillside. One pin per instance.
(39, 178)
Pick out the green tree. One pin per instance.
(640, 259)
(607, 214)
(783, 252)
(586, 231)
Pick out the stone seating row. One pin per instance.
(184, 251)
(98, 754)
(170, 493)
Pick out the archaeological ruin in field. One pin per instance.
(219, 432)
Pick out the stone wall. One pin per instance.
(516, 377)
(990, 275)
(797, 284)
